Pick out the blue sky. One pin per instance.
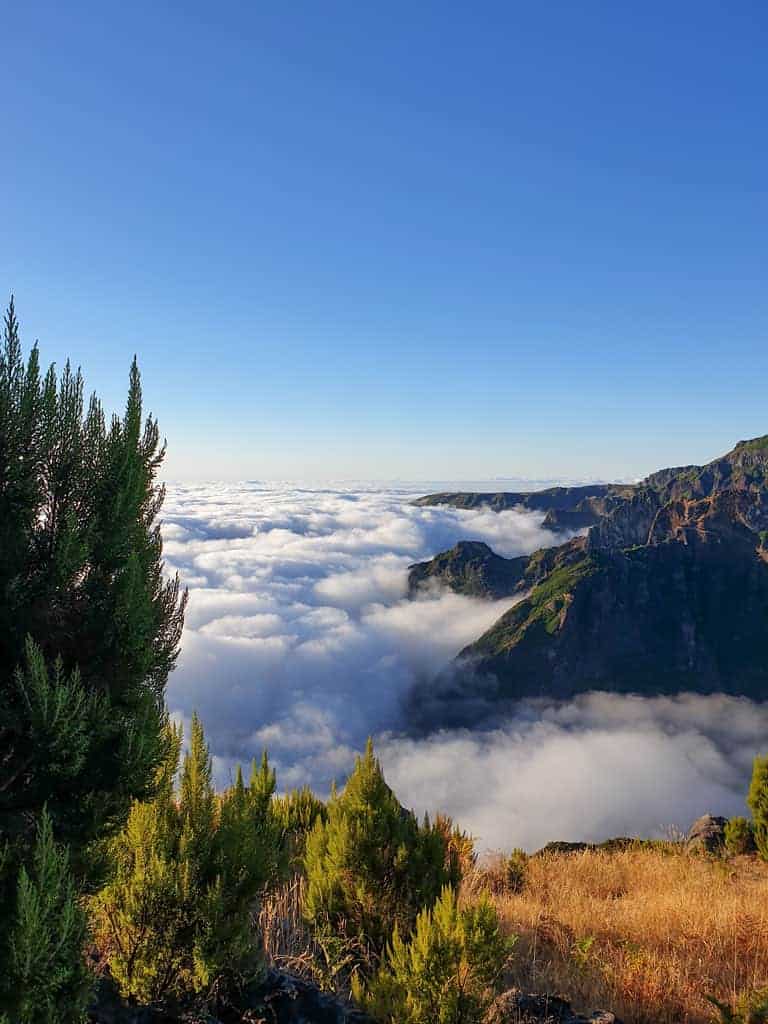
(428, 240)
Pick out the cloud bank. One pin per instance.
(300, 638)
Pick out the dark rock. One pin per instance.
(285, 999)
(516, 1007)
(471, 568)
(707, 833)
(607, 846)
(278, 999)
(109, 1008)
(559, 846)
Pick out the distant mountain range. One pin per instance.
(665, 590)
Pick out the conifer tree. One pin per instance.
(89, 626)
(371, 866)
(82, 597)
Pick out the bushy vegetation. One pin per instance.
(516, 869)
(739, 837)
(447, 972)
(295, 815)
(371, 866)
(175, 917)
(46, 979)
(757, 799)
(750, 1008)
(83, 598)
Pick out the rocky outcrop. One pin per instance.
(517, 1007)
(626, 523)
(470, 568)
(279, 999)
(285, 999)
(707, 834)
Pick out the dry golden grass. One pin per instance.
(643, 932)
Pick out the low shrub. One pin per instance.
(371, 866)
(757, 799)
(516, 869)
(461, 856)
(749, 1008)
(174, 919)
(739, 837)
(448, 972)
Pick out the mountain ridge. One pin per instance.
(665, 590)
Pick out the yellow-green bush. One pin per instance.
(174, 919)
(295, 815)
(739, 837)
(749, 1008)
(515, 870)
(757, 799)
(371, 865)
(448, 972)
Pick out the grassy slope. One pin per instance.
(645, 933)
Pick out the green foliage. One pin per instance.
(174, 919)
(447, 973)
(371, 866)
(461, 856)
(46, 980)
(295, 815)
(750, 1008)
(739, 837)
(516, 869)
(582, 951)
(757, 799)
(89, 628)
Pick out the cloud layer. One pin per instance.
(299, 634)
(299, 637)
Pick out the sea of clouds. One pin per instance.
(300, 638)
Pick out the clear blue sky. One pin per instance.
(414, 240)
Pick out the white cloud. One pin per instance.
(601, 765)
(298, 601)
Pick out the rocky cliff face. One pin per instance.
(666, 592)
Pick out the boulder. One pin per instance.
(285, 999)
(517, 1007)
(707, 834)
